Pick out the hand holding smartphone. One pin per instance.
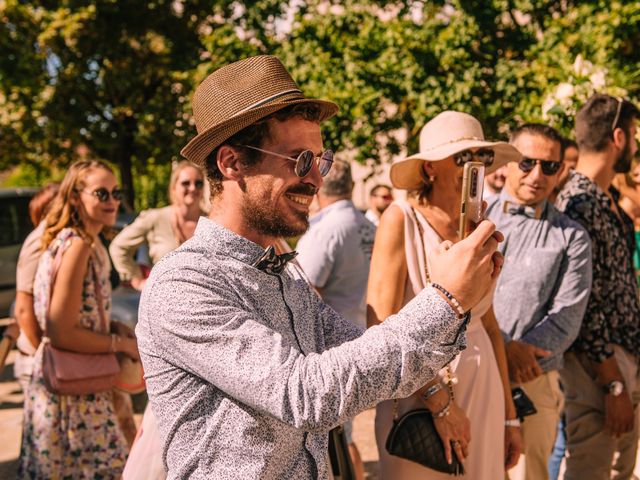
(471, 204)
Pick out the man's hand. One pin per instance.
(618, 411)
(468, 268)
(618, 414)
(512, 446)
(522, 360)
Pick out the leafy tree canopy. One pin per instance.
(114, 78)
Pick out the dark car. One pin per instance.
(15, 225)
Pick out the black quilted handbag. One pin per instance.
(414, 437)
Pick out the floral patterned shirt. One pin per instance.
(613, 312)
(247, 370)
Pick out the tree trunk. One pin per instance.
(124, 159)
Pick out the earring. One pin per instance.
(75, 218)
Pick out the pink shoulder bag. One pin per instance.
(72, 373)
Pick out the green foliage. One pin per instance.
(114, 79)
(105, 79)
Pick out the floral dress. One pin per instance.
(71, 436)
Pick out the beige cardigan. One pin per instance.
(152, 227)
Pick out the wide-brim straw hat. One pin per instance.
(445, 135)
(238, 95)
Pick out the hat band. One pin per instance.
(459, 139)
(267, 100)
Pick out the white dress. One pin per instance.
(479, 391)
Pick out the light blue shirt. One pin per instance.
(544, 286)
(335, 254)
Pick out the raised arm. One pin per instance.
(260, 367)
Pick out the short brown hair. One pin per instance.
(254, 135)
(594, 121)
(541, 130)
(40, 203)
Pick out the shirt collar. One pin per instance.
(219, 239)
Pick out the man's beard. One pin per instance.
(623, 163)
(266, 219)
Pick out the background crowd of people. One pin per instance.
(561, 323)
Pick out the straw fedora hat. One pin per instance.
(238, 95)
(445, 135)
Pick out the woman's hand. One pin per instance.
(128, 346)
(121, 329)
(512, 446)
(138, 283)
(454, 429)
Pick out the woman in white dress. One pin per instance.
(478, 425)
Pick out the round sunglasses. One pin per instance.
(548, 167)
(304, 160)
(484, 155)
(198, 184)
(102, 194)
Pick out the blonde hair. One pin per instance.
(63, 213)
(175, 173)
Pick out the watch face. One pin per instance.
(616, 388)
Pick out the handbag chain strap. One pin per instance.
(451, 379)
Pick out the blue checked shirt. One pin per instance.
(544, 286)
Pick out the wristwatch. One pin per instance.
(615, 388)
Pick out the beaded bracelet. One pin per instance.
(453, 301)
(444, 411)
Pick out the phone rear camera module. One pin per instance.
(474, 182)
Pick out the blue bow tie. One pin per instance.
(271, 262)
(526, 210)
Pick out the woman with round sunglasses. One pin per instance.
(162, 230)
(470, 400)
(76, 436)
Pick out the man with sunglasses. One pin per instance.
(247, 369)
(543, 290)
(380, 197)
(600, 375)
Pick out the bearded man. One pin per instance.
(600, 373)
(247, 369)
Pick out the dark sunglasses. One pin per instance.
(548, 167)
(103, 194)
(484, 155)
(198, 184)
(618, 111)
(304, 160)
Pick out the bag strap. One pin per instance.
(450, 376)
(424, 250)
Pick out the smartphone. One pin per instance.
(471, 203)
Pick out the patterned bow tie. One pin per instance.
(271, 262)
(526, 210)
